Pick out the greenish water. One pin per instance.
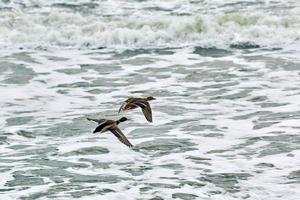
(219, 127)
(225, 75)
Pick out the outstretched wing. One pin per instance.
(128, 105)
(146, 109)
(118, 133)
(122, 106)
(125, 103)
(99, 121)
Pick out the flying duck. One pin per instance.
(143, 103)
(112, 126)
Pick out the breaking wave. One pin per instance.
(76, 30)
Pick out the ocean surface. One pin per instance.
(226, 75)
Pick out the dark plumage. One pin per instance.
(143, 103)
(112, 126)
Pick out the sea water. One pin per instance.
(226, 76)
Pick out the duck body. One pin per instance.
(133, 103)
(112, 126)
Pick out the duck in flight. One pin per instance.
(143, 103)
(112, 126)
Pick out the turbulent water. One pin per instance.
(226, 75)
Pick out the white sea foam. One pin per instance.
(220, 154)
(63, 29)
(211, 114)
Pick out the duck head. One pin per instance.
(123, 119)
(150, 98)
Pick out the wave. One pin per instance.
(75, 30)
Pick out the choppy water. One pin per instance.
(226, 75)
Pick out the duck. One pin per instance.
(135, 102)
(112, 126)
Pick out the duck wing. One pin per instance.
(145, 108)
(118, 133)
(99, 121)
(126, 103)
(122, 106)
